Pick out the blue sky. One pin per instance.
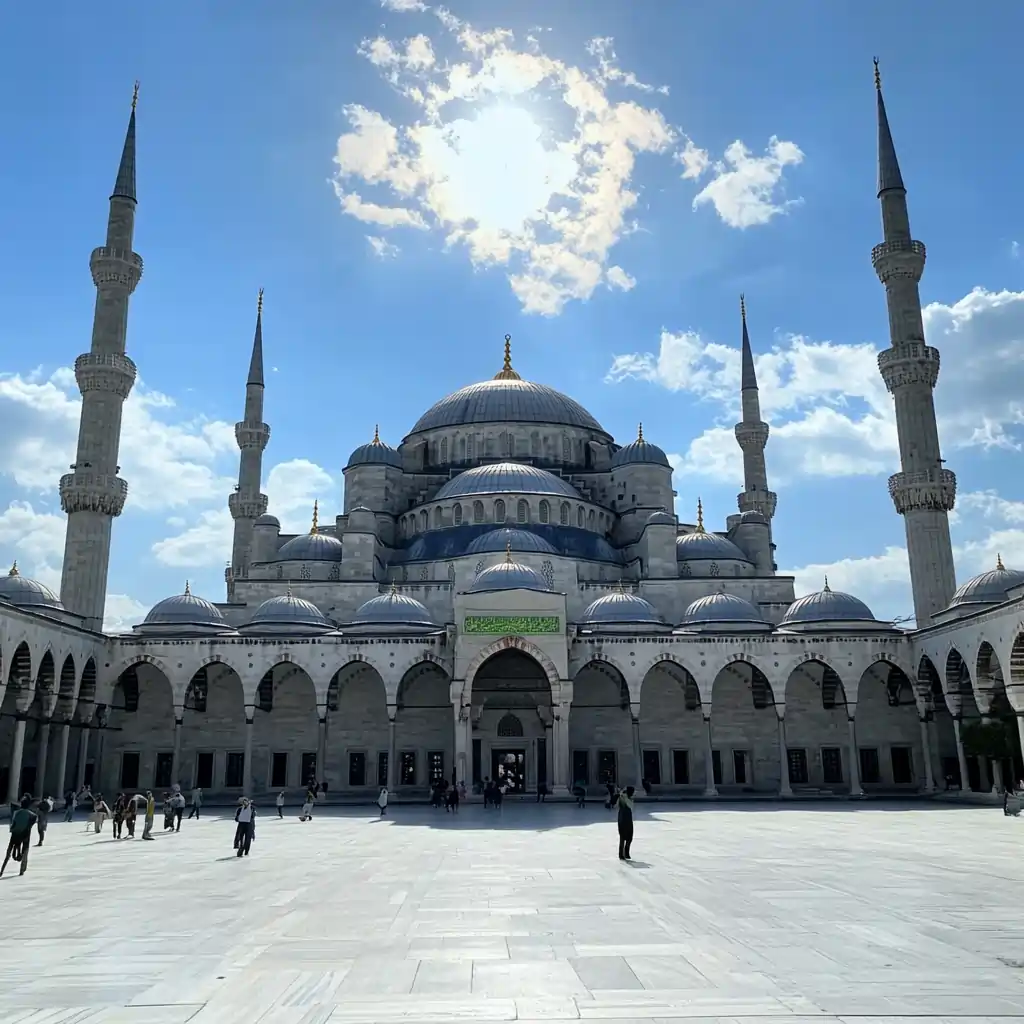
(391, 274)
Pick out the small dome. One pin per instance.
(640, 452)
(753, 516)
(375, 453)
(506, 478)
(268, 520)
(700, 545)
(988, 587)
(827, 606)
(311, 547)
(27, 593)
(284, 614)
(620, 607)
(721, 609)
(185, 610)
(509, 539)
(508, 575)
(393, 609)
(661, 518)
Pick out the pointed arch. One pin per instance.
(506, 643)
(20, 682)
(86, 704)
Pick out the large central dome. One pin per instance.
(506, 399)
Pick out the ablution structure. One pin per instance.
(506, 593)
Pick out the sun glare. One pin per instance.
(496, 170)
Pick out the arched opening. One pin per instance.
(940, 725)
(213, 733)
(601, 729)
(135, 750)
(672, 723)
(286, 731)
(17, 689)
(817, 734)
(512, 682)
(1003, 742)
(499, 511)
(358, 732)
(424, 729)
(960, 698)
(457, 515)
(889, 730)
(40, 695)
(78, 741)
(744, 730)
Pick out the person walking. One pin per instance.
(100, 813)
(43, 817)
(306, 814)
(18, 845)
(244, 826)
(197, 803)
(382, 801)
(279, 804)
(70, 804)
(117, 815)
(147, 831)
(131, 810)
(625, 821)
(177, 809)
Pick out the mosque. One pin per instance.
(508, 593)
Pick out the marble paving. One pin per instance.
(772, 913)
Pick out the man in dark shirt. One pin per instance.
(22, 821)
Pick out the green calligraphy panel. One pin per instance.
(522, 625)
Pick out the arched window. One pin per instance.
(509, 726)
(439, 518)
(522, 511)
(424, 521)
(564, 514)
(503, 443)
(499, 511)
(462, 449)
(581, 517)
(457, 515)
(590, 519)
(444, 450)
(545, 512)
(478, 511)
(469, 447)
(566, 450)
(535, 443)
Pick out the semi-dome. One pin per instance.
(184, 611)
(661, 518)
(313, 546)
(508, 575)
(827, 605)
(287, 613)
(640, 452)
(988, 587)
(393, 609)
(721, 610)
(27, 593)
(375, 453)
(509, 539)
(506, 478)
(621, 608)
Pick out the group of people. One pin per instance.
(447, 795)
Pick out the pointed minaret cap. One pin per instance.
(376, 434)
(506, 372)
(14, 569)
(889, 177)
(124, 185)
(188, 589)
(748, 379)
(256, 362)
(700, 517)
(999, 563)
(640, 433)
(315, 528)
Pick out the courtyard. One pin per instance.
(800, 912)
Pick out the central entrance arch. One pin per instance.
(512, 721)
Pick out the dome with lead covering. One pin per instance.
(287, 614)
(621, 608)
(697, 546)
(506, 478)
(510, 539)
(268, 520)
(988, 587)
(27, 593)
(375, 453)
(661, 518)
(508, 575)
(313, 546)
(393, 610)
(640, 452)
(183, 613)
(729, 610)
(827, 605)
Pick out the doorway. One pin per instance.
(508, 768)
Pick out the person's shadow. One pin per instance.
(642, 865)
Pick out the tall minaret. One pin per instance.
(752, 436)
(247, 503)
(92, 494)
(924, 491)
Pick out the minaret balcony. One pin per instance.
(252, 435)
(931, 490)
(909, 362)
(82, 491)
(758, 501)
(247, 506)
(903, 258)
(115, 268)
(752, 436)
(109, 372)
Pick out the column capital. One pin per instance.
(392, 713)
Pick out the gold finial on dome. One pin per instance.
(506, 372)
(288, 590)
(135, 95)
(14, 569)
(376, 434)
(999, 563)
(826, 589)
(315, 528)
(878, 76)
(259, 302)
(508, 552)
(188, 589)
(640, 433)
(393, 592)
(700, 516)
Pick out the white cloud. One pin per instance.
(746, 190)
(382, 248)
(403, 5)
(618, 278)
(121, 612)
(385, 216)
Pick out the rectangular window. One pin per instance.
(902, 766)
(796, 758)
(164, 770)
(435, 766)
(716, 766)
(356, 768)
(204, 770)
(581, 767)
(542, 762)
(279, 771)
(129, 770)
(382, 768)
(407, 764)
(681, 767)
(606, 768)
(832, 765)
(308, 769)
(870, 773)
(652, 766)
(739, 767)
(234, 770)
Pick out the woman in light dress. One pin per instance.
(382, 801)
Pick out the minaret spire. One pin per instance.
(752, 435)
(924, 492)
(93, 494)
(247, 503)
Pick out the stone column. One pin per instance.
(17, 752)
(101, 725)
(247, 756)
(960, 758)
(709, 761)
(785, 789)
(855, 787)
(392, 767)
(638, 757)
(83, 756)
(560, 737)
(42, 754)
(926, 747)
(321, 749)
(176, 756)
(459, 718)
(60, 772)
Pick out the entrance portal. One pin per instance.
(508, 768)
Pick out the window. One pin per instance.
(407, 761)
(307, 769)
(563, 515)
(581, 517)
(535, 443)
(652, 766)
(545, 512)
(195, 698)
(760, 690)
(435, 766)
(590, 519)
(510, 726)
(424, 521)
(606, 767)
(457, 515)
(356, 768)
(382, 768)
(902, 766)
(129, 770)
(477, 761)
(681, 767)
(234, 770)
(163, 777)
(204, 769)
(462, 449)
(739, 767)
(470, 446)
(716, 766)
(278, 771)
(478, 511)
(438, 518)
(444, 450)
(499, 511)
(581, 767)
(796, 758)
(522, 511)
(832, 765)
(566, 450)
(869, 768)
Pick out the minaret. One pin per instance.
(92, 494)
(924, 491)
(752, 436)
(247, 503)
